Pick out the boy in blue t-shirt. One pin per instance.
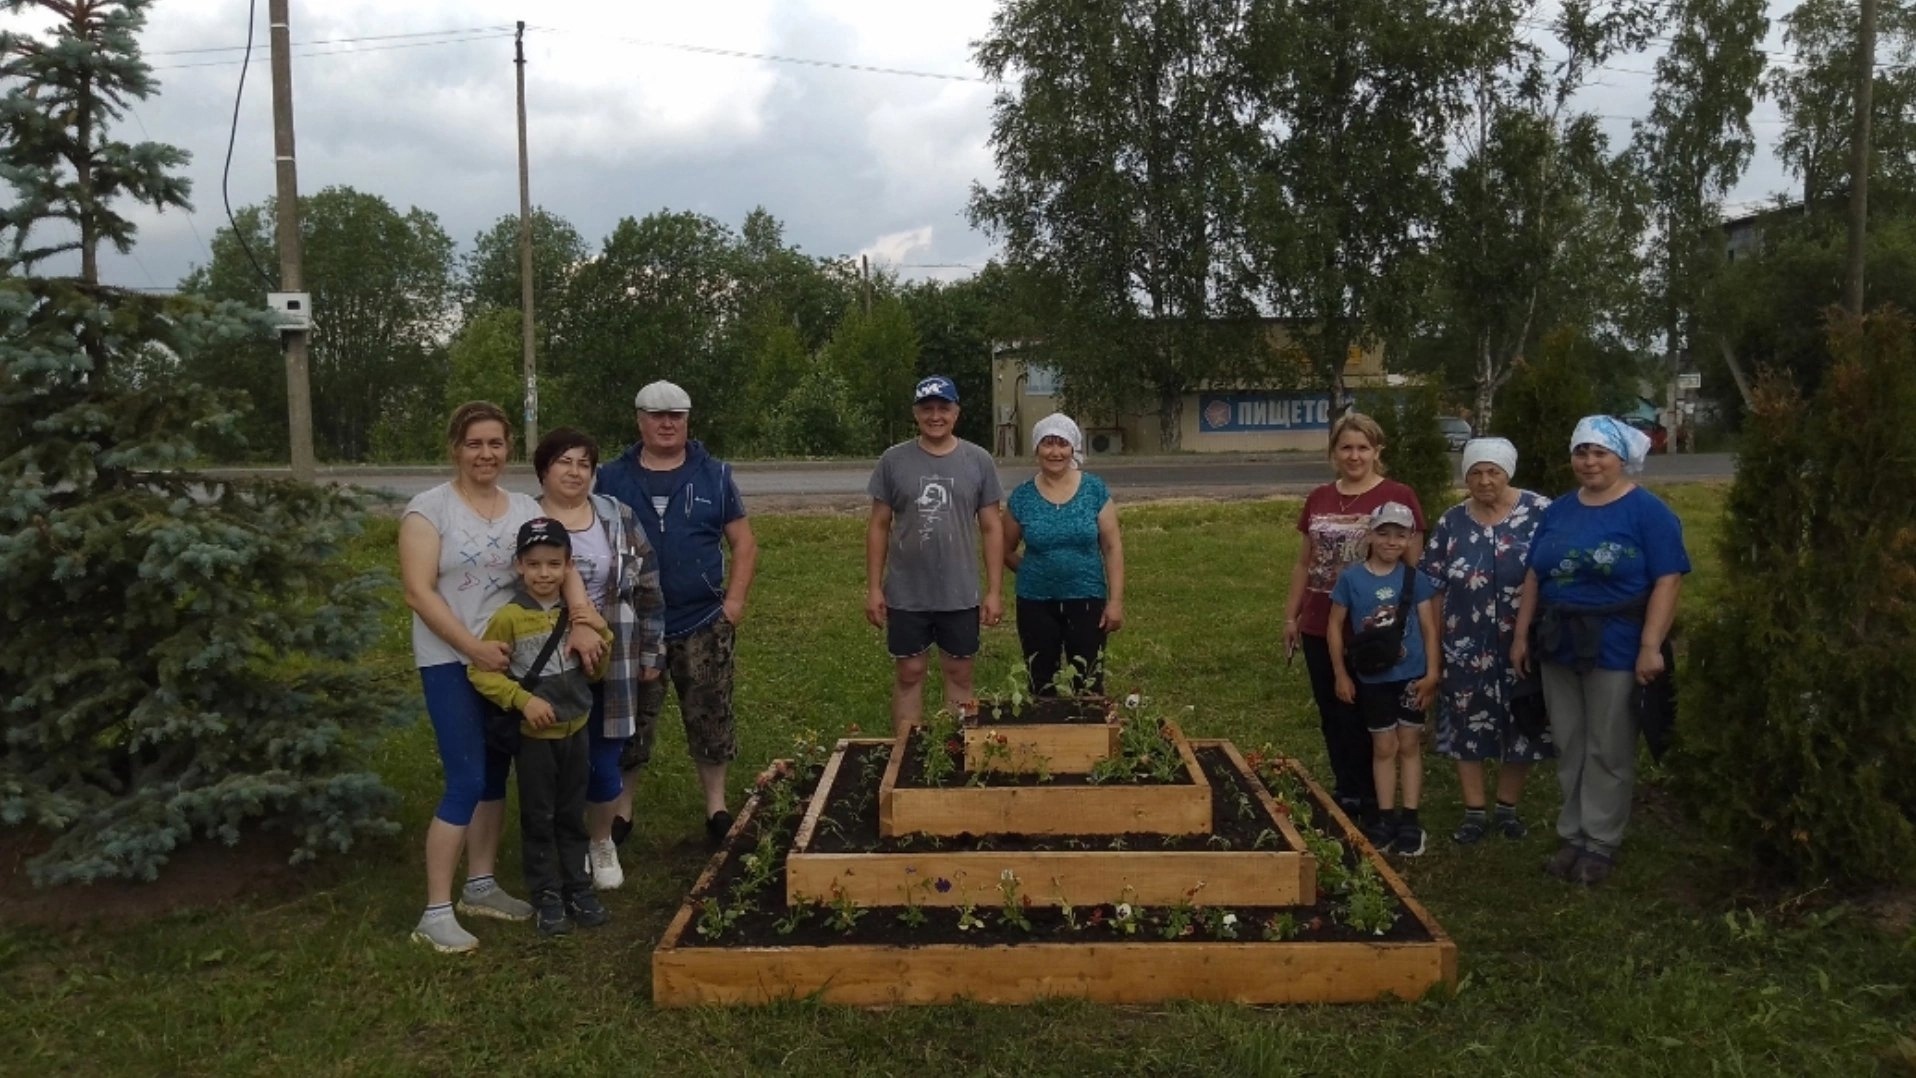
(1370, 594)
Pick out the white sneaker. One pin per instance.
(604, 859)
(444, 934)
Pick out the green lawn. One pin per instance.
(1664, 971)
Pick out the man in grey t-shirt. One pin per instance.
(921, 551)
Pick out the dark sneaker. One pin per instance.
(1470, 832)
(551, 920)
(1565, 859)
(1409, 841)
(586, 910)
(1592, 869)
(1380, 835)
(716, 827)
(1511, 827)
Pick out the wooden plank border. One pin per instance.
(1114, 809)
(1286, 877)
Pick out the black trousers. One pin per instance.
(1345, 738)
(552, 835)
(1054, 632)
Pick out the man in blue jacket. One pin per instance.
(691, 511)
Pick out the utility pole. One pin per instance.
(299, 390)
(1859, 158)
(525, 253)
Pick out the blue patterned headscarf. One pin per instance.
(1615, 435)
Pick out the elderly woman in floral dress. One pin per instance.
(1477, 555)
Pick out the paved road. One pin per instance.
(841, 485)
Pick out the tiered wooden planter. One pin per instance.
(1281, 877)
(1095, 968)
(1064, 748)
(1113, 809)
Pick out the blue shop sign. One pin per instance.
(1230, 413)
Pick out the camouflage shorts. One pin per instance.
(700, 667)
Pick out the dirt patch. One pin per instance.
(205, 875)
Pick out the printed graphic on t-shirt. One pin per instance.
(934, 506)
(1600, 560)
(486, 560)
(1385, 615)
(1336, 541)
(659, 504)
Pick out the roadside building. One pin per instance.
(1216, 418)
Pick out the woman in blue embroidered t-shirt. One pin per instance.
(1071, 571)
(1605, 568)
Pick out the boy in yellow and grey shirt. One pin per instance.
(553, 758)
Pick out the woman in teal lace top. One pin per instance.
(1071, 569)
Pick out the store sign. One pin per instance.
(1233, 413)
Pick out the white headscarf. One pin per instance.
(1059, 425)
(1496, 451)
(1615, 435)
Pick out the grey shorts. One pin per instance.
(699, 665)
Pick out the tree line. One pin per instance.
(1173, 175)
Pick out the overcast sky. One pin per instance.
(626, 117)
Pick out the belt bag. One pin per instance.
(1375, 651)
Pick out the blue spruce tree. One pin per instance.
(176, 651)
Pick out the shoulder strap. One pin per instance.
(1403, 604)
(532, 677)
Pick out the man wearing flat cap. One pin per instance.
(691, 511)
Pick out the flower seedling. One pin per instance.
(844, 913)
(1012, 905)
(1218, 924)
(715, 919)
(795, 915)
(1281, 927)
(1127, 919)
(913, 915)
(1368, 905)
(968, 918)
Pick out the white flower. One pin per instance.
(1008, 876)
(1133, 701)
(1604, 555)
(1124, 911)
(1230, 919)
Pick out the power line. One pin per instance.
(336, 40)
(187, 213)
(252, 9)
(347, 51)
(741, 54)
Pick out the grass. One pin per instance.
(1671, 969)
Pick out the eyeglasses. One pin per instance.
(675, 417)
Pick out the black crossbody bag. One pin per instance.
(502, 726)
(1373, 651)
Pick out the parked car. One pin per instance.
(1456, 431)
(1659, 435)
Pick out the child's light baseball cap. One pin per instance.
(1393, 513)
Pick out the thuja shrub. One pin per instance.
(1539, 407)
(1799, 742)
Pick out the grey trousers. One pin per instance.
(1594, 725)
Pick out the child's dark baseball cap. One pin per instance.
(543, 531)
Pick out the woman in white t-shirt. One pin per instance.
(455, 562)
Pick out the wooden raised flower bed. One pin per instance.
(878, 962)
(1281, 875)
(1046, 809)
(1044, 734)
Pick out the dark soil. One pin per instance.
(204, 875)
(912, 773)
(760, 916)
(1045, 710)
(849, 823)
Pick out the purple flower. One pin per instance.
(943, 885)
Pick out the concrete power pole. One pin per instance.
(299, 391)
(525, 253)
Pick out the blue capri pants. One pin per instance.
(474, 772)
(604, 782)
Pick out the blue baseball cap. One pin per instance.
(936, 387)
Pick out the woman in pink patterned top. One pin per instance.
(1334, 522)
